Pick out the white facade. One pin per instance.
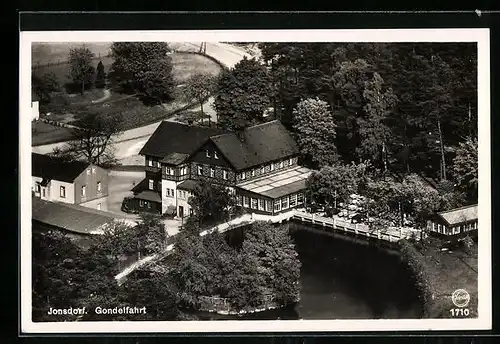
(55, 190)
(168, 194)
(35, 111)
(98, 204)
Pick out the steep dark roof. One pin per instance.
(175, 158)
(256, 145)
(49, 167)
(172, 137)
(70, 217)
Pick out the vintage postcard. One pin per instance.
(255, 181)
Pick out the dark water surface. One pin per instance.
(346, 280)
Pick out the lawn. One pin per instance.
(449, 271)
(43, 133)
(43, 53)
(184, 65)
(134, 112)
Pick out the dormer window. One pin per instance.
(200, 170)
(215, 155)
(208, 153)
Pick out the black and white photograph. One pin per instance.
(255, 181)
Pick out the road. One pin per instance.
(130, 142)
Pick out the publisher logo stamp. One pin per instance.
(460, 298)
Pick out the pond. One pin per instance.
(341, 279)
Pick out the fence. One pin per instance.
(59, 62)
(223, 305)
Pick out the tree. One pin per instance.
(93, 139)
(150, 234)
(211, 203)
(143, 68)
(373, 131)
(81, 69)
(199, 87)
(118, 240)
(315, 131)
(243, 94)
(273, 250)
(100, 79)
(333, 184)
(43, 86)
(64, 275)
(465, 166)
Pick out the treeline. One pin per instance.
(400, 107)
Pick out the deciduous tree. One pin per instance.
(81, 69)
(93, 139)
(315, 130)
(199, 87)
(143, 68)
(43, 86)
(211, 202)
(243, 94)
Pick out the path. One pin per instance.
(130, 141)
(106, 95)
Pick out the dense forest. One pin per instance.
(402, 107)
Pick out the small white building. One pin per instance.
(35, 111)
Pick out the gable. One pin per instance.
(172, 137)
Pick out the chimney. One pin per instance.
(35, 113)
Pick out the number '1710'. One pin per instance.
(459, 312)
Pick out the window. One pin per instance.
(98, 186)
(151, 184)
(62, 192)
(252, 173)
(88, 172)
(212, 172)
(261, 204)
(93, 170)
(293, 201)
(224, 174)
(277, 204)
(141, 203)
(98, 206)
(200, 170)
(183, 171)
(150, 162)
(245, 201)
(262, 170)
(215, 155)
(83, 191)
(284, 202)
(290, 162)
(300, 198)
(43, 192)
(208, 153)
(269, 206)
(285, 162)
(281, 164)
(170, 171)
(238, 200)
(37, 187)
(249, 174)
(254, 203)
(242, 176)
(148, 204)
(271, 168)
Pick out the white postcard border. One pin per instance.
(481, 36)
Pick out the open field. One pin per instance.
(52, 52)
(43, 133)
(449, 271)
(184, 65)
